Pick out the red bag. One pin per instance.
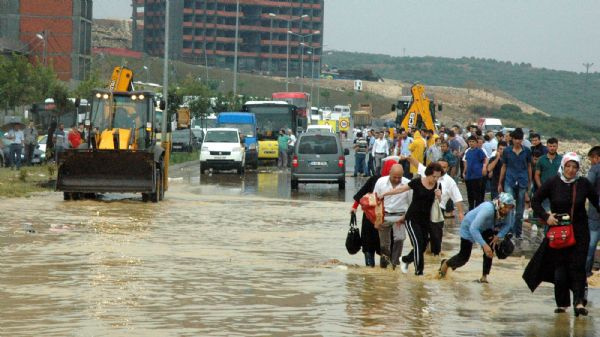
(373, 208)
(561, 236)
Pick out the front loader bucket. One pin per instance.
(103, 171)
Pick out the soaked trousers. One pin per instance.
(464, 253)
(434, 237)
(388, 232)
(417, 234)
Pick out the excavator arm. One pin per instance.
(418, 113)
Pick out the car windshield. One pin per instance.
(271, 119)
(221, 136)
(245, 129)
(317, 144)
(198, 133)
(206, 123)
(181, 135)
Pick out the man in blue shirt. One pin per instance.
(475, 170)
(515, 177)
(479, 226)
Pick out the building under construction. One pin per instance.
(56, 32)
(203, 32)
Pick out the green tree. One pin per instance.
(325, 94)
(85, 88)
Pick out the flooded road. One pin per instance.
(224, 255)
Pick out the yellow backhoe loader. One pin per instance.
(120, 153)
(416, 111)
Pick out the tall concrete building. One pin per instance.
(57, 32)
(203, 32)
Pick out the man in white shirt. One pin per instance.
(17, 140)
(450, 192)
(381, 149)
(291, 144)
(395, 207)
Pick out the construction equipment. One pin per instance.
(416, 111)
(120, 153)
(363, 116)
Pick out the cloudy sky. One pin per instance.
(556, 34)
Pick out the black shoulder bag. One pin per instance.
(353, 242)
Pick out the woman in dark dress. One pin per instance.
(368, 234)
(418, 216)
(564, 267)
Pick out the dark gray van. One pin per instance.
(319, 158)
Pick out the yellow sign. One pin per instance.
(344, 124)
(332, 123)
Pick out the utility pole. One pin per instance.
(235, 53)
(164, 138)
(587, 71)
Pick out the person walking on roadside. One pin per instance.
(74, 138)
(417, 150)
(547, 165)
(494, 167)
(395, 207)
(360, 153)
(450, 196)
(405, 141)
(369, 235)
(50, 141)
(537, 146)
(418, 216)
(380, 150)
(480, 226)
(291, 145)
(515, 177)
(17, 139)
(475, 170)
(31, 136)
(565, 267)
(593, 215)
(60, 141)
(370, 154)
(282, 141)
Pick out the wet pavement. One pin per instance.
(244, 256)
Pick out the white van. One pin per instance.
(490, 124)
(222, 149)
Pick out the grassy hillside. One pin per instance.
(559, 93)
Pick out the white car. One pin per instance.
(222, 149)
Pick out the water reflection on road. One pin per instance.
(230, 256)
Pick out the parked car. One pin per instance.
(222, 149)
(186, 140)
(319, 158)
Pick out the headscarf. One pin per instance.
(570, 156)
(388, 162)
(503, 199)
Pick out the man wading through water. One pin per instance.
(395, 209)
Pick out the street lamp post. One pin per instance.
(43, 36)
(235, 53)
(302, 44)
(287, 63)
(271, 15)
(147, 74)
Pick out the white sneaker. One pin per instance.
(404, 267)
(534, 228)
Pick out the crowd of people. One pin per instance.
(20, 143)
(416, 171)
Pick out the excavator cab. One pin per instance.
(121, 153)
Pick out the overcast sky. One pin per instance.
(556, 34)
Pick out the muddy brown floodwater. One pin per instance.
(213, 260)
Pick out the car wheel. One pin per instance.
(240, 169)
(342, 185)
(66, 196)
(145, 197)
(294, 184)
